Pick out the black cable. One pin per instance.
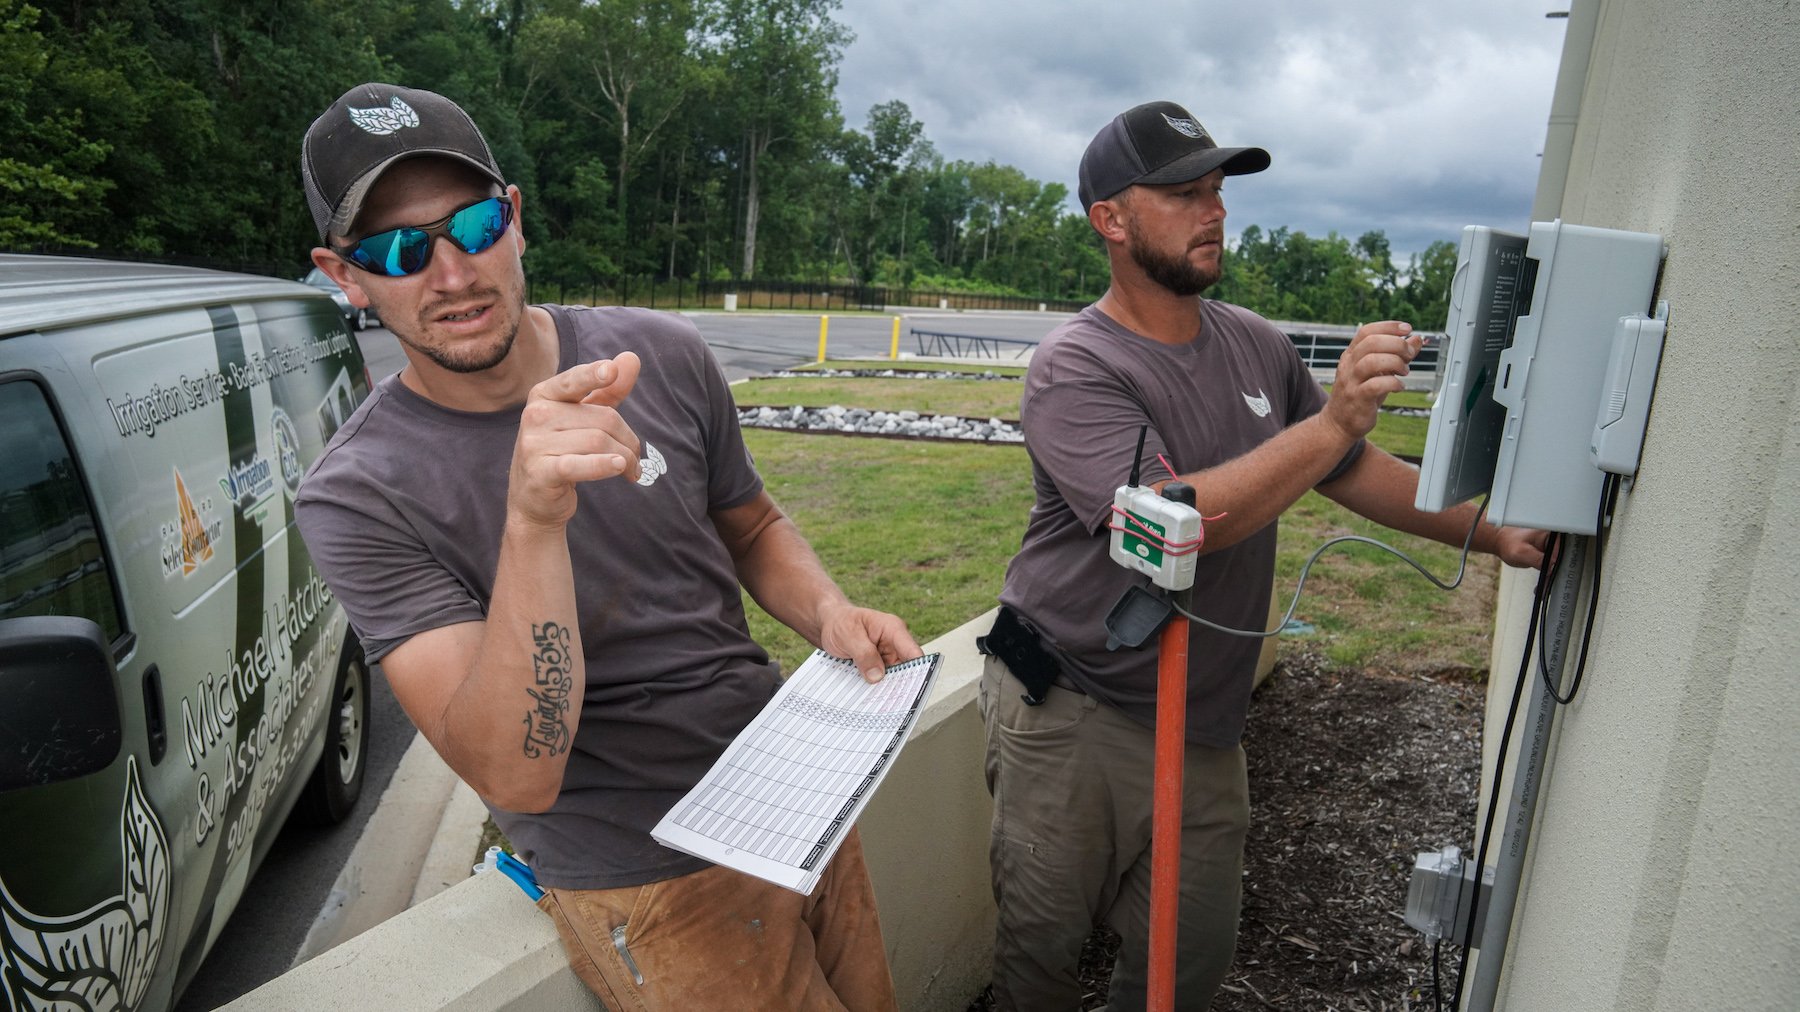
(1553, 554)
(1609, 495)
(1437, 990)
(1543, 662)
(1512, 713)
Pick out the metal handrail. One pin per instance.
(948, 345)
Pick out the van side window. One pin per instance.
(51, 562)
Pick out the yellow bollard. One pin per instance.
(894, 348)
(824, 324)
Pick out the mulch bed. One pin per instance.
(1352, 774)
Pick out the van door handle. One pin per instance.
(154, 725)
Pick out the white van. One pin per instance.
(174, 675)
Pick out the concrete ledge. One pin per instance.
(925, 835)
(479, 946)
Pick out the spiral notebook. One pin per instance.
(785, 793)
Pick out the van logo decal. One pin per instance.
(248, 484)
(287, 451)
(188, 543)
(103, 957)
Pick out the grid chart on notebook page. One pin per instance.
(793, 781)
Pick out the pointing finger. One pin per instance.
(620, 378)
(580, 382)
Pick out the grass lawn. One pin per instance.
(969, 398)
(1373, 610)
(1407, 399)
(1401, 399)
(922, 529)
(1400, 435)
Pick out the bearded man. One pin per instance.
(1225, 401)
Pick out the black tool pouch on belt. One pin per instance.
(1016, 643)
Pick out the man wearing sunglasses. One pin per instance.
(539, 527)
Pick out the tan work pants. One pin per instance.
(722, 940)
(1072, 783)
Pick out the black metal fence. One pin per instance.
(796, 296)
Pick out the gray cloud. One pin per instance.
(1411, 116)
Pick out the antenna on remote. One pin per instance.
(1137, 458)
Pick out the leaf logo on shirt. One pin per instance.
(381, 122)
(652, 466)
(1259, 405)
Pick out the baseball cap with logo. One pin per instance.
(1157, 142)
(368, 129)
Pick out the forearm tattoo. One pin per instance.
(547, 722)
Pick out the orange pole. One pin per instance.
(1165, 838)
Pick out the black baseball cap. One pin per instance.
(1157, 142)
(371, 127)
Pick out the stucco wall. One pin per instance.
(1665, 871)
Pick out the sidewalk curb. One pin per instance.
(382, 872)
(452, 855)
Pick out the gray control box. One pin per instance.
(1625, 403)
(1462, 442)
(1441, 893)
(1553, 377)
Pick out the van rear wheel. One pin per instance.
(338, 779)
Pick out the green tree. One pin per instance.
(581, 249)
(261, 71)
(883, 166)
(779, 61)
(1425, 298)
(48, 170)
(629, 64)
(1082, 270)
(945, 201)
(1377, 258)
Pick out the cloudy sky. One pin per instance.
(1415, 117)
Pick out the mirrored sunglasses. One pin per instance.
(407, 250)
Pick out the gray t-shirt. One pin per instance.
(403, 515)
(1091, 385)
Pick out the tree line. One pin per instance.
(697, 139)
